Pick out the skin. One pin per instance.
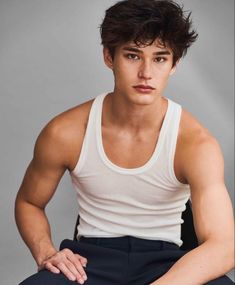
(131, 122)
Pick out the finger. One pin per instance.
(76, 262)
(82, 259)
(51, 268)
(72, 267)
(70, 253)
(65, 270)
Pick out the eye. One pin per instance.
(160, 59)
(132, 56)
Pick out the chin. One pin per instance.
(143, 99)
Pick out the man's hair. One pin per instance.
(143, 21)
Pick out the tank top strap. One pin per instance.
(170, 142)
(89, 140)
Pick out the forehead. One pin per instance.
(155, 46)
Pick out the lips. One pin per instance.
(144, 87)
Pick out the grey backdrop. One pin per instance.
(51, 60)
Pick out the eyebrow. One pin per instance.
(163, 52)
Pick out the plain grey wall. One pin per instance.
(51, 60)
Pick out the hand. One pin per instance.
(68, 263)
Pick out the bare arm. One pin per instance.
(213, 219)
(50, 160)
(38, 186)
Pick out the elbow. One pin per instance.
(230, 245)
(228, 254)
(231, 256)
(224, 252)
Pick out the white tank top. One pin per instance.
(145, 202)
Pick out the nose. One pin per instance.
(145, 71)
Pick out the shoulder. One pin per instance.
(198, 149)
(69, 124)
(193, 134)
(64, 134)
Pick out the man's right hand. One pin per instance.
(68, 263)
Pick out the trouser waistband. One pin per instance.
(129, 243)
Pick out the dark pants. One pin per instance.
(119, 261)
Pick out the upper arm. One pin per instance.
(211, 204)
(46, 168)
(201, 164)
(57, 149)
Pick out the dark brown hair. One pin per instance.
(143, 21)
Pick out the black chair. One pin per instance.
(188, 234)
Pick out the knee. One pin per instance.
(30, 280)
(45, 277)
(37, 278)
(26, 282)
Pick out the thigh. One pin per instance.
(147, 267)
(105, 266)
(46, 277)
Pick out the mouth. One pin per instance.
(144, 88)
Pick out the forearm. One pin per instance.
(201, 265)
(35, 230)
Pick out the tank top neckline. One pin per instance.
(157, 149)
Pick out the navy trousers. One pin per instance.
(119, 261)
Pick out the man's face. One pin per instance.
(140, 73)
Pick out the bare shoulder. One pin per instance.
(193, 134)
(64, 134)
(197, 148)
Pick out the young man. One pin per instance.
(135, 158)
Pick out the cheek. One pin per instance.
(125, 73)
(162, 74)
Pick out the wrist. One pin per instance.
(41, 258)
(44, 252)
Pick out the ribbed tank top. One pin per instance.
(145, 202)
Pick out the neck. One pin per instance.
(134, 117)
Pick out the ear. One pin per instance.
(173, 70)
(107, 58)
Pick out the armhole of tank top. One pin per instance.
(176, 124)
(81, 158)
(83, 154)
